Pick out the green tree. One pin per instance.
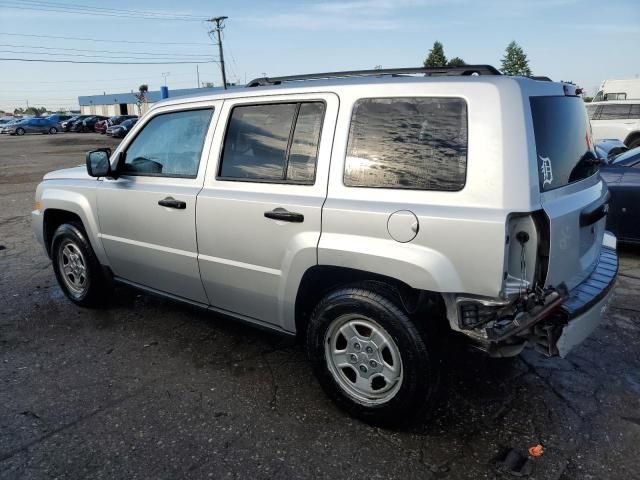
(436, 56)
(37, 111)
(515, 61)
(456, 62)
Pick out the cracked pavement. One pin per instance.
(154, 389)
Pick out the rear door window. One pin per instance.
(276, 142)
(408, 143)
(563, 141)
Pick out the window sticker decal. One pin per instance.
(546, 170)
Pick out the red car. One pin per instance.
(101, 126)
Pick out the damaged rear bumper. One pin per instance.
(555, 321)
(581, 312)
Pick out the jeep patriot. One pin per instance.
(374, 214)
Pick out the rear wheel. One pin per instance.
(20, 131)
(77, 269)
(370, 358)
(53, 130)
(634, 143)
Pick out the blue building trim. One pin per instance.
(152, 96)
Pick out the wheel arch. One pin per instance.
(66, 206)
(319, 280)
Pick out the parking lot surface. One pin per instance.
(153, 389)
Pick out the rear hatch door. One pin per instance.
(573, 195)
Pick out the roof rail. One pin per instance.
(464, 70)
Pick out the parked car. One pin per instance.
(78, 124)
(102, 125)
(88, 124)
(34, 125)
(4, 127)
(59, 117)
(7, 119)
(68, 124)
(616, 120)
(622, 174)
(119, 131)
(609, 148)
(370, 216)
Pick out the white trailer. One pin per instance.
(628, 89)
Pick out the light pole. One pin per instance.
(165, 75)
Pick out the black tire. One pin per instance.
(97, 286)
(53, 130)
(420, 368)
(20, 131)
(634, 143)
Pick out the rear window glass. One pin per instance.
(563, 141)
(411, 143)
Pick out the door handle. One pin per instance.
(284, 215)
(171, 202)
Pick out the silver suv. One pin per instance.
(362, 211)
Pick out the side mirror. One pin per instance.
(98, 164)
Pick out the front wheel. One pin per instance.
(20, 131)
(53, 130)
(77, 268)
(370, 357)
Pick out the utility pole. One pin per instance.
(198, 75)
(165, 75)
(218, 29)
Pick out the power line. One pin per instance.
(110, 80)
(23, 5)
(102, 63)
(101, 40)
(165, 54)
(117, 10)
(127, 57)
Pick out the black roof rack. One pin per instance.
(464, 70)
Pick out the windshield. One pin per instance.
(629, 157)
(563, 141)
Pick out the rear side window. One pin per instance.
(563, 141)
(614, 112)
(408, 143)
(635, 111)
(273, 142)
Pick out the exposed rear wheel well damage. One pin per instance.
(319, 280)
(53, 218)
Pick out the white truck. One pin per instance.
(628, 89)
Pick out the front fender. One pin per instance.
(84, 206)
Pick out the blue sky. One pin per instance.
(581, 40)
